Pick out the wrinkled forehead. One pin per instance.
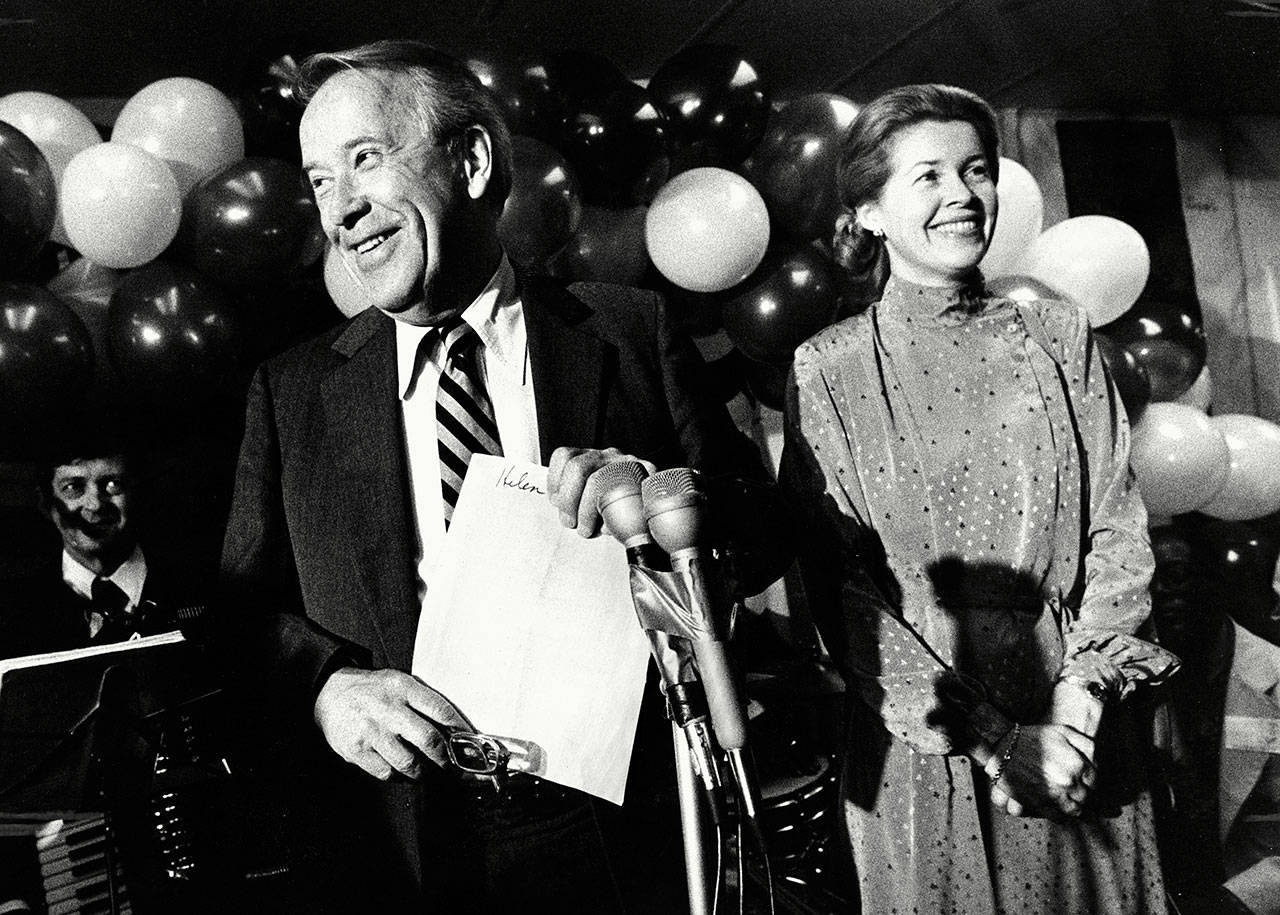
(91, 468)
(355, 103)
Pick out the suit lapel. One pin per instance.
(569, 366)
(362, 440)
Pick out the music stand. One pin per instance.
(79, 737)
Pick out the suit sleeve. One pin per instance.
(262, 624)
(711, 441)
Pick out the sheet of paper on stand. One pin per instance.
(530, 631)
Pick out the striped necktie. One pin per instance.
(464, 413)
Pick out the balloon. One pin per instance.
(1100, 262)
(707, 229)
(1180, 459)
(46, 362)
(253, 222)
(608, 246)
(1131, 380)
(716, 103)
(344, 289)
(1021, 219)
(1252, 489)
(1168, 341)
(616, 143)
(270, 111)
(789, 299)
(172, 334)
(187, 123)
(120, 205)
(1023, 289)
(544, 205)
(1200, 394)
(523, 90)
(28, 200)
(58, 128)
(767, 382)
(794, 165)
(1240, 559)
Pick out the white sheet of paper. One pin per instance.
(531, 632)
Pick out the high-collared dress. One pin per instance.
(965, 461)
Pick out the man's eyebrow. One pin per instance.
(346, 147)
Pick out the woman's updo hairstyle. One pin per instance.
(864, 167)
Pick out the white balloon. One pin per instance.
(1098, 261)
(1020, 221)
(120, 205)
(707, 229)
(1252, 489)
(1180, 459)
(187, 123)
(58, 128)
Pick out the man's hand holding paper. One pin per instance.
(530, 630)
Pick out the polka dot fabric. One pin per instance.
(960, 449)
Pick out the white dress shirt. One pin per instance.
(129, 577)
(497, 316)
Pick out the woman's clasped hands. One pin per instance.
(1043, 770)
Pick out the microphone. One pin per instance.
(675, 507)
(619, 501)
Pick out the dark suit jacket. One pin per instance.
(318, 560)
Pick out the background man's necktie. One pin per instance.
(111, 604)
(464, 413)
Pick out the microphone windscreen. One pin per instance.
(617, 494)
(674, 488)
(617, 480)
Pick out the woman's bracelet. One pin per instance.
(1006, 755)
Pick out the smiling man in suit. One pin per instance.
(353, 452)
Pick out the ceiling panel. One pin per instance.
(1123, 56)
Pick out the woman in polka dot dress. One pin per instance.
(965, 460)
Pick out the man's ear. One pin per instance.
(477, 160)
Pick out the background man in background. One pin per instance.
(353, 453)
(1217, 741)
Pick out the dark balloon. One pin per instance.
(790, 297)
(172, 334)
(254, 222)
(46, 363)
(1167, 340)
(616, 143)
(544, 206)
(767, 382)
(608, 247)
(794, 165)
(716, 103)
(1129, 375)
(28, 201)
(270, 111)
(1239, 561)
(522, 91)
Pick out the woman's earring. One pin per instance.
(878, 233)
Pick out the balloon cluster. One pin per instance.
(167, 244)
(1184, 459)
(692, 182)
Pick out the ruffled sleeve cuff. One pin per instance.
(1110, 665)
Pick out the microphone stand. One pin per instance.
(692, 740)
